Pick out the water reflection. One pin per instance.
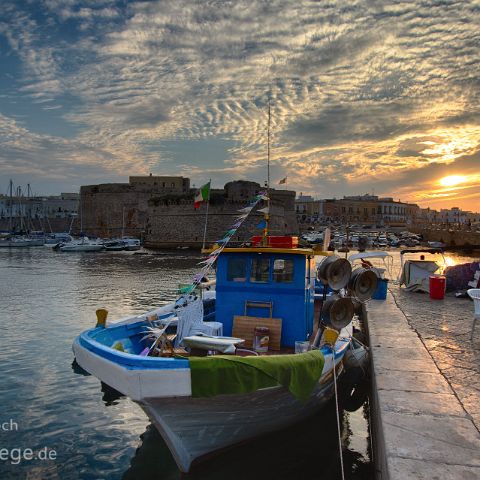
(306, 450)
(48, 298)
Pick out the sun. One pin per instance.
(452, 180)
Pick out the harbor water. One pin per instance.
(79, 429)
(47, 299)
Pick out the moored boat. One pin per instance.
(21, 241)
(83, 244)
(203, 403)
(131, 243)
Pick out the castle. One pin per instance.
(160, 210)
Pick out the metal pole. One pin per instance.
(206, 215)
(267, 215)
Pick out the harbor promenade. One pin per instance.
(425, 387)
(444, 327)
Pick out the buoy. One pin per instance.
(101, 317)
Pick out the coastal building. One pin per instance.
(308, 209)
(362, 209)
(453, 217)
(38, 213)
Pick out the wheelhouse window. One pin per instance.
(283, 270)
(260, 270)
(237, 270)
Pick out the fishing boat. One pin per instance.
(201, 402)
(215, 369)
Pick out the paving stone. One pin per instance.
(417, 403)
(444, 328)
(410, 381)
(408, 469)
(451, 440)
(427, 380)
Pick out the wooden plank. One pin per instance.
(244, 326)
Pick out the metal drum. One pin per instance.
(334, 271)
(363, 283)
(337, 312)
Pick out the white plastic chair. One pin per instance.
(474, 294)
(190, 322)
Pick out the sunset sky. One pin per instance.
(366, 96)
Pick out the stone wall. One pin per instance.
(181, 225)
(450, 237)
(170, 220)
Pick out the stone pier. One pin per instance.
(422, 428)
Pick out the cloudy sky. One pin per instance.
(366, 96)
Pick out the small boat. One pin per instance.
(131, 243)
(21, 241)
(415, 272)
(436, 244)
(202, 403)
(114, 245)
(53, 239)
(83, 244)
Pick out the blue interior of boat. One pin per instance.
(100, 341)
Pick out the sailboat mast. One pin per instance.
(11, 206)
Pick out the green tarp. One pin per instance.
(227, 374)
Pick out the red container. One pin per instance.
(276, 241)
(437, 286)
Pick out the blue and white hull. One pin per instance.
(197, 427)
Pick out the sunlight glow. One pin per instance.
(452, 180)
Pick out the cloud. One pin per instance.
(360, 92)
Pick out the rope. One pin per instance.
(338, 415)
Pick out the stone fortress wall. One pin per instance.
(160, 210)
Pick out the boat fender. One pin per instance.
(354, 389)
(356, 357)
(355, 381)
(101, 318)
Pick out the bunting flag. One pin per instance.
(262, 224)
(245, 210)
(282, 181)
(221, 244)
(264, 210)
(202, 195)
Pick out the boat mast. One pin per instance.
(123, 221)
(11, 206)
(267, 214)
